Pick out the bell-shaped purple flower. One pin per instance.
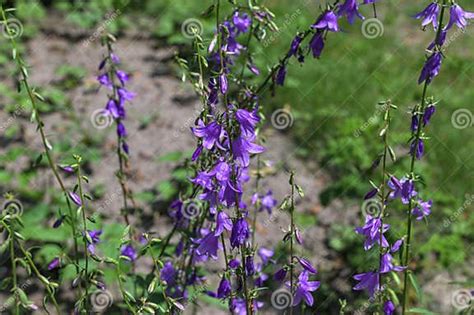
(210, 133)
(371, 231)
(209, 245)
(242, 148)
(429, 111)
(350, 9)
(429, 15)
(240, 233)
(431, 68)
(224, 288)
(417, 148)
(223, 223)
(295, 45)
(327, 21)
(422, 210)
(459, 17)
(317, 44)
(367, 281)
(281, 74)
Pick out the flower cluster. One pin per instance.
(114, 80)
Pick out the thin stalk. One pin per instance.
(21, 67)
(248, 303)
(412, 170)
(14, 276)
(40, 277)
(292, 234)
(84, 222)
(257, 187)
(383, 197)
(122, 177)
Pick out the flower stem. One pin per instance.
(412, 170)
(292, 233)
(84, 222)
(21, 67)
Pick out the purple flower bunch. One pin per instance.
(115, 79)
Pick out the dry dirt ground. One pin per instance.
(172, 107)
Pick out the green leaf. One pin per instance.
(420, 310)
(416, 286)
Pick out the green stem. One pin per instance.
(292, 234)
(412, 175)
(84, 222)
(40, 124)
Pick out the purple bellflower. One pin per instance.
(429, 15)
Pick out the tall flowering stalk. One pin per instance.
(375, 229)
(34, 96)
(422, 113)
(114, 80)
(301, 289)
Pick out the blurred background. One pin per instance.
(332, 135)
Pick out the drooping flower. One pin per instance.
(129, 251)
(249, 265)
(168, 273)
(417, 148)
(429, 15)
(414, 123)
(367, 281)
(224, 288)
(327, 21)
(243, 147)
(247, 120)
(209, 245)
(240, 233)
(429, 111)
(281, 74)
(280, 274)
(350, 9)
(317, 44)
(223, 83)
(223, 222)
(459, 17)
(295, 44)
(304, 289)
(431, 68)
(423, 209)
(386, 264)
